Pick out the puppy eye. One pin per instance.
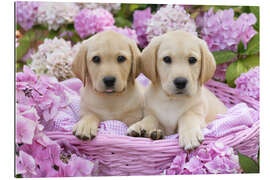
(167, 59)
(96, 59)
(121, 59)
(192, 60)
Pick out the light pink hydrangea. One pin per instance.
(170, 18)
(54, 57)
(112, 7)
(55, 14)
(130, 33)
(214, 158)
(140, 18)
(26, 14)
(222, 32)
(249, 83)
(88, 22)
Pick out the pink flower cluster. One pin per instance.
(88, 22)
(140, 18)
(26, 14)
(249, 83)
(45, 94)
(130, 33)
(214, 158)
(36, 154)
(222, 32)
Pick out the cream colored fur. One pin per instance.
(166, 109)
(125, 103)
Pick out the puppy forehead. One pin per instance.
(180, 44)
(109, 42)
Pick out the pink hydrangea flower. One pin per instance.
(26, 14)
(44, 93)
(25, 129)
(140, 18)
(25, 164)
(214, 158)
(130, 33)
(78, 166)
(222, 32)
(249, 83)
(169, 18)
(88, 22)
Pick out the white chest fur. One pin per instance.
(166, 109)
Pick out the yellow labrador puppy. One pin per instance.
(178, 65)
(107, 65)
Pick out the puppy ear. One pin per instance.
(149, 59)
(208, 63)
(136, 54)
(79, 65)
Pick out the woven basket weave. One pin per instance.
(123, 155)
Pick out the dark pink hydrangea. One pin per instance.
(26, 14)
(140, 18)
(214, 158)
(249, 83)
(88, 22)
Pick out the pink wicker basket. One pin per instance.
(123, 155)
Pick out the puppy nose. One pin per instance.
(180, 83)
(109, 81)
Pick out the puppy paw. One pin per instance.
(190, 139)
(136, 131)
(156, 134)
(85, 130)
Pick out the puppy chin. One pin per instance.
(110, 91)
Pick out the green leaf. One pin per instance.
(247, 164)
(133, 7)
(253, 46)
(240, 66)
(223, 56)
(122, 22)
(24, 44)
(241, 47)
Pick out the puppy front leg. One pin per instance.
(147, 127)
(189, 129)
(86, 128)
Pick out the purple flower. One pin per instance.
(26, 14)
(222, 32)
(249, 83)
(140, 18)
(25, 164)
(88, 22)
(130, 33)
